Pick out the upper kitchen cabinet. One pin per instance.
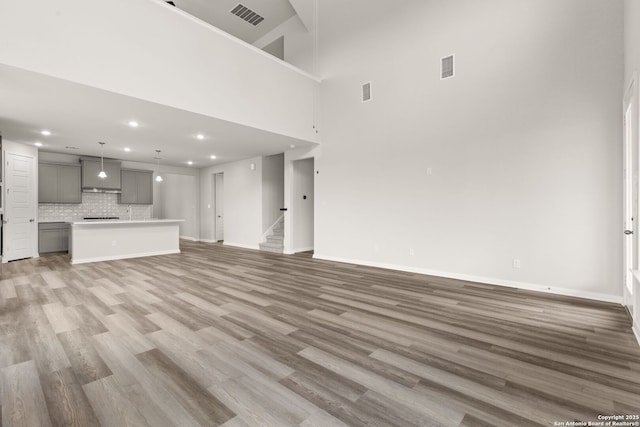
(137, 187)
(91, 169)
(59, 183)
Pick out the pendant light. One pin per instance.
(102, 174)
(158, 177)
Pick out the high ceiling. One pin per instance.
(218, 14)
(80, 116)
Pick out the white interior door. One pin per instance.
(631, 187)
(219, 208)
(19, 217)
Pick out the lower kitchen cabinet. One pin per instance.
(53, 237)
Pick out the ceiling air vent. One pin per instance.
(247, 14)
(446, 67)
(366, 92)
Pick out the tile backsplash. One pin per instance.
(93, 204)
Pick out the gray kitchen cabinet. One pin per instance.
(129, 193)
(144, 182)
(47, 183)
(137, 187)
(91, 169)
(59, 183)
(53, 237)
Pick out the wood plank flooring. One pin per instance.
(224, 336)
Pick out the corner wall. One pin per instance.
(518, 157)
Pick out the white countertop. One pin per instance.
(121, 221)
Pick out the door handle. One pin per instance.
(31, 220)
(628, 232)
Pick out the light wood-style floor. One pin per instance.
(224, 336)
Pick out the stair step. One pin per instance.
(271, 244)
(271, 247)
(275, 239)
(275, 251)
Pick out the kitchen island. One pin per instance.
(105, 240)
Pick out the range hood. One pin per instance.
(100, 190)
(91, 183)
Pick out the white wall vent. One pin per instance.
(366, 92)
(447, 67)
(247, 14)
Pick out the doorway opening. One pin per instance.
(302, 207)
(218, 206)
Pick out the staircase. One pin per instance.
(275, 238)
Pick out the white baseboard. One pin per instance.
(117, 257)
(636, 332)
(241, 245)
(208, 241)
(478, 279)
(192, 239)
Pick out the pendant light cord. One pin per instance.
(102, 174)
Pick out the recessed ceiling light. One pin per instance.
(46, 132)
(189, 162)
(127, 149)
(38, 144)
(200, 136)
(292, 146)
(134, 124)
(213, 157)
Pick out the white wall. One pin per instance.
(631, 38)
(524, 144)
(152, 51)
(242, 203)
(272, 189)
(180, 201)
(302, 208)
